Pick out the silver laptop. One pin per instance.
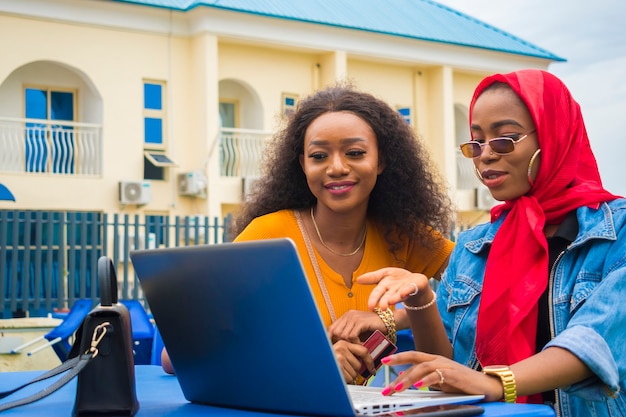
(242, 330)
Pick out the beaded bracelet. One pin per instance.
(390, 323)
(422, 307)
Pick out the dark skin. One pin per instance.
(341, 164)
(549, 369)
(497, 112)
(347, 346)
(351, 157)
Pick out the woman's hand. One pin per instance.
(354, 326)
(443, 374)
(395, 285)
(348, 355)
(166, 363)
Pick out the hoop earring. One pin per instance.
(530, 166)
(477, 172)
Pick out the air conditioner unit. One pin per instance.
(135, 192)
(248, 185)
(196, 227)
(134, 244)
(465, 200)
(484, 200)
(192, 183)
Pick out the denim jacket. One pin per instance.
(587, 293)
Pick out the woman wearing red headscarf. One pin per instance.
(531, 307)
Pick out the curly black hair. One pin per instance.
(409, 198)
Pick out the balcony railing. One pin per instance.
(241, 151)
(50, 146)
(57, 147)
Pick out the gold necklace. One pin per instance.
(319, 235)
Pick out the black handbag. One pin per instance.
(101, 356)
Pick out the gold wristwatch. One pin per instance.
(508, 380)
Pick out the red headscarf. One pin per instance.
(517, 268)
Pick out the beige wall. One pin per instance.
(268, 72)
(115, 63)
(392, 83)
(107, 65)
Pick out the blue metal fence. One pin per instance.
(48, 259)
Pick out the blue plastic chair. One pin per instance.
(58, 338)
(157, 347)
(143, 332)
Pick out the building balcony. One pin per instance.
(241, 151)
(70, 148)
(50, 146)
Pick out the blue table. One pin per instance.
(160, 395)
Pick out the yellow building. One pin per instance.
(161, 107)
(120, 119)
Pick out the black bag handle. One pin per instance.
(108, 281)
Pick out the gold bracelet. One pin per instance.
(422, 307)
(390, 323)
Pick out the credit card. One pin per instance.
(379, 346)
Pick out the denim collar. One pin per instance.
(603, 228)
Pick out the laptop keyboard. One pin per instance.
(369, 400)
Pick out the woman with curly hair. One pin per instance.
(349, 182)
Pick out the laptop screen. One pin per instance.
(239, 316)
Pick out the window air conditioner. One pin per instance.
(465, 200)
(196, 227)
(134, 244)
(248, 184)
(135, 192)
(484, 200)
(192, 183)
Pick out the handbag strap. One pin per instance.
(74, 365)
(316, 267)
(61, 368)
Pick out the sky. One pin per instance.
(591, 36)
